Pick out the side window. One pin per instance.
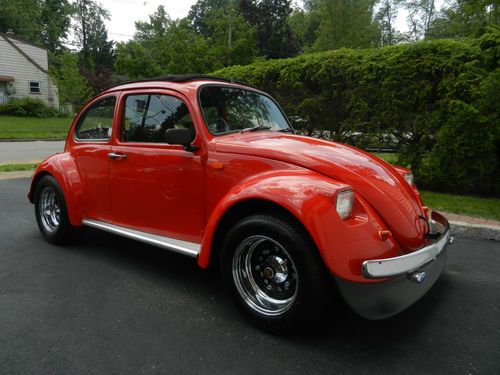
(97, 121)
(148, 117)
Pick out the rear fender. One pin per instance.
(63, 168)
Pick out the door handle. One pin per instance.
(114, 156)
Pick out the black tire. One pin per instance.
(265, 247)
(52, 221)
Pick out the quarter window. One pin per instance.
(148, 117)
(35, 88)
(97, 121)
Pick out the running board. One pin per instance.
(178, 246)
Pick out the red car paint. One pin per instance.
(166, 190)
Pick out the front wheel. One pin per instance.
(273, 272)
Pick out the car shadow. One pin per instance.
(339, 329)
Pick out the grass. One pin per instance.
(17, 167)
(488, 208)
(13, 127)
(390, 157)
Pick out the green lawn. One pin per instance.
(390, 157)
(488, 208)
(13, 127)
(18, 167)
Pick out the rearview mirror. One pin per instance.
(181, 136)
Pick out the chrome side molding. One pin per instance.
(190, 249)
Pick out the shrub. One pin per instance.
(28, 107)
(435, 102)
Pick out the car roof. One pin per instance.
(174, 81)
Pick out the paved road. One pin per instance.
(25, 152)
(110, 305)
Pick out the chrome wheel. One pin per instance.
(50, 209)
(265, 275)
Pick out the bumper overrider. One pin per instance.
(410, 276)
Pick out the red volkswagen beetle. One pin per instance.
(212, 169)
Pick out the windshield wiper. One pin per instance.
(255, 128)
(287, 130)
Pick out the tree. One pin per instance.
(275, 38)
(231, 38)
(304, 24)
(72, 85)
(345, 23)
(203, 11)
(386, 17)
(157, 27)
(88, 20)
(96, 57)
(465, 18)
(55, 18)
(23, 18)
(421, 14)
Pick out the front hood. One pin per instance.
(376, 181)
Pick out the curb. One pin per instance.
(475, 231)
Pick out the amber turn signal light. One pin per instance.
(384, 234)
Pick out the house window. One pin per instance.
(35, 88)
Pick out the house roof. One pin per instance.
(19, 39)
(8, 38)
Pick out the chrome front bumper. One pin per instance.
(390, 267)
(409, 277)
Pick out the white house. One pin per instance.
(24, 71)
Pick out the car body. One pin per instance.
(211, 169)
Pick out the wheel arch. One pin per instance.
(247, 208)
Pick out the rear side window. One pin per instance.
(148, 117)
(97, 121)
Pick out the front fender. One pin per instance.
(310, 197)
(305, 194)
(63, 168)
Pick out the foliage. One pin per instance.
(345, 24)
(43, 22)
(96, 57)
(162, 46)
(28, 107)
(437, 102)
(465, 19)
(71, 84)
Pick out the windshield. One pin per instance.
(228, 109)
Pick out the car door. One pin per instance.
(90, 147)
(156, 187)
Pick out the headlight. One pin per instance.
(409, 178)
(345, 201)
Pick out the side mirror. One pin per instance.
(181, 136)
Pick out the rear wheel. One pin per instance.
(51, 213)
(273, 272)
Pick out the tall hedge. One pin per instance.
(437, 102)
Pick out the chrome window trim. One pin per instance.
(87, 108)
(190, 249)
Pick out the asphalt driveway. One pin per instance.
(111, 305)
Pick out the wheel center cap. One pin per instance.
(268, 273)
